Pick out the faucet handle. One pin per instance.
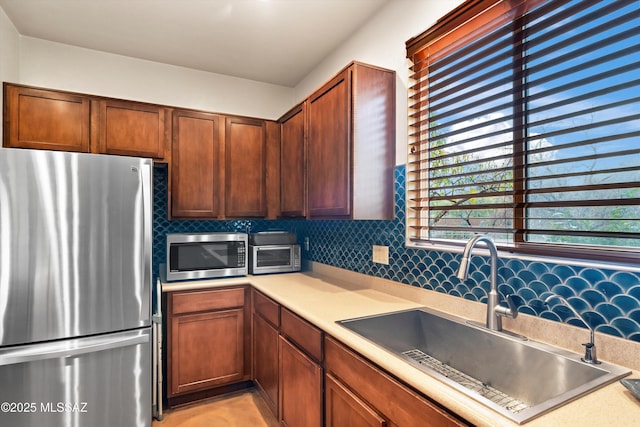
(511, 301)
(512, 310)
(590, 353)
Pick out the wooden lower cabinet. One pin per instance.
(344, 408)
(300, 388)
(266, 360)
(208, 350)
(366, 388)
(207, 337)
(306, 378)
(287, 363)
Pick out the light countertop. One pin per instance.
(327, 294)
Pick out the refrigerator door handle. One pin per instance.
(145, 179)
(64, 349)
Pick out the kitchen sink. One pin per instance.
(519, 378)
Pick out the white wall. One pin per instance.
(381, 42)
(9, 53)
(59, 66)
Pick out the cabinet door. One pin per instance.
(207, 349)
(329, 149)
(196, 179)
(373, 142)
(300, 388)
(44, 119)
(397, 403)
(265, 361)
(292, 163)
(245, 168)
(345, 409)
(131, 129)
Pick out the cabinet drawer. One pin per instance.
(301, 332)
(395, 401)
(267, 308)
(212, 299)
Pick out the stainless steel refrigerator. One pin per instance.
(75, 278)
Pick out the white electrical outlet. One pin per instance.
(380, 254)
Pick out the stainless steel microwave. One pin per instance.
(264, 259)
(206, 255)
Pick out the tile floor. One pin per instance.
(243, 409)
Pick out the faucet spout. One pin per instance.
(590, 347)
(494, 310)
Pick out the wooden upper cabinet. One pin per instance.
(245, 167)
(373, 118)
(196, 161)
(44, 119)
(57, 120)
(273, 169)
(292, 163)
(131, 129)
(329, 159)
(351, 145)
(219, 165)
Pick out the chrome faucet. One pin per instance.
(495, 311)
(590, 347)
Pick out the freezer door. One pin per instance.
(100, 381)
(75, 245)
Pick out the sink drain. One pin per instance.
(494, 395)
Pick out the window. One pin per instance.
(524, 120)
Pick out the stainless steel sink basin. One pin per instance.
(518, 378)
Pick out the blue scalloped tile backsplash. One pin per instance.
(609, 299)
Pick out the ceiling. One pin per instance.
(271, 41)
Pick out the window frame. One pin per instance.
(450, 32)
